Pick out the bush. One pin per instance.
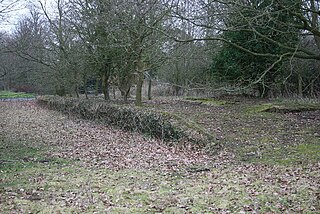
(124, 117)
(166, 126)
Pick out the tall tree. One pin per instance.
(26, 49)
(64, 49)
(138, 21)
(123, 37)
(264, 30)
(245, 68)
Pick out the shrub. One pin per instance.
(162, 125)
(124, 117)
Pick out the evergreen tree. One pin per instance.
(260, 27)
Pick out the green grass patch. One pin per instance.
(12, 95)
(288, 155)
(285, 106)
(74, 189)
(16, 156)
(258, 108)
(207, 101)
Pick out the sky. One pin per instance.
(11, 18)
(21, 9)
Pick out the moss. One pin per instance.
(289, 155)
(309, 150)
(208, 101)
(16, 156)
(208, 140)
(12, 95)
(258, 108)
(284, 107)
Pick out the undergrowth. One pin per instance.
(162, 125)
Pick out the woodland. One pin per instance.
(72, 47)
(160, 106)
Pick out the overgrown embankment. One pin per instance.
(52, 163)
(161, 125)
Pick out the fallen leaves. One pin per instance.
(108, 170)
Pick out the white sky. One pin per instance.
(10, 18)
(21, 9)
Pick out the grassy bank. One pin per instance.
(31, 182)
(14, 95)
(53, 163)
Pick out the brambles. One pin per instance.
(164, 126)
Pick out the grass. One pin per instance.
(12, 95)
(74, 189)
(285, 106)
(17, 156)
(207, 101)
(257, 135)
(68, 187)
(279, 180)
(288, 155)
(280, 132)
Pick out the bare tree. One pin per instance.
(265, 20)
(121, 35)
(63, 44)
(7, 6)
(140, 19)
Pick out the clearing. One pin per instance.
(51, 163)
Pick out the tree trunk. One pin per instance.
(262, 91)
(124, 93)
(97, 86)
(60, 90)
(300, 86)
(85, 86)
(315, 21)
(124, 86)
(76, 87)
(105, 86)
(177, 80)
(149, 89)
(312, 92)
(114, 93)
(177, 90)
(139, 89)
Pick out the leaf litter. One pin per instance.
(86, 167)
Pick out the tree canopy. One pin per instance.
(267, 48)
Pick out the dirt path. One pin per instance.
(50, 163)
